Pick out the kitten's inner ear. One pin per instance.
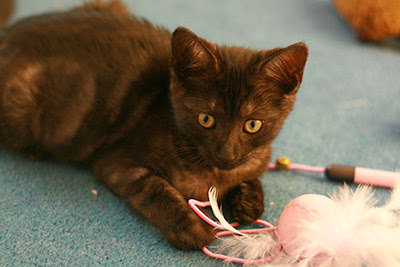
(192, 55)
(285, 67)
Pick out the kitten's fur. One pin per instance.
(100, 87)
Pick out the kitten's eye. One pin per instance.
(206, 120)
(252, 126)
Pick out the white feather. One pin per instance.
(251, 247)
(213, 197)
(354, 233)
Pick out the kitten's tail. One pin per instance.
(6, 9)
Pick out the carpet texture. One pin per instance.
(347, 112)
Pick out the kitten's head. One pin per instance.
(231, 102)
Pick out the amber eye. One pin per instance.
(206, 120)
(252, 126)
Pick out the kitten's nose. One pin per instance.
(226, 153)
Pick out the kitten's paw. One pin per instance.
(247, 203)
(191, 234)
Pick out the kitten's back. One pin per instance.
(65, 78)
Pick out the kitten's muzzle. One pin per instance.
(226, 162)
(225, 157)
(226, 153)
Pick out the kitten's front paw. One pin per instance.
(247, 203)
(191, 234)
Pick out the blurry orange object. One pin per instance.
(372, 20)
(6, 8)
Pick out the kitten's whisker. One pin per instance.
(149, 158)
(198, 162)
(159, 149)
(181, 152)
(153, 155)
(286, 151)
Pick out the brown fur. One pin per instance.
(110, 91)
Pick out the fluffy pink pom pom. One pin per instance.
(300, 211)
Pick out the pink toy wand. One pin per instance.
(342, 173)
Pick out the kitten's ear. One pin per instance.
(192, 55)
(285, 67)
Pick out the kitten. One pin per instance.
(159, 117)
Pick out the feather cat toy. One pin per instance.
(345, 230)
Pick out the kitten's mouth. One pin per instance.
(227, 165)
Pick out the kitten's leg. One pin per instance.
(247, 201)
(155, 199)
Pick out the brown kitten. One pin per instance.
(159, 118)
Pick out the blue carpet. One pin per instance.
(347, 112)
